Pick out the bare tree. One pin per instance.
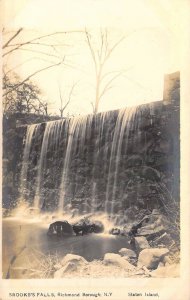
(100, 55)
(63, 104)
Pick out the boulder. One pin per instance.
(72, 258)
(141, 243)
(127, 252)
(115, 231)
(117, 260)
(167, 271)
(129, 255)
(151, 257)
(60, 228)
(68, 268)
(86, 226)
(70, 263)
(98, 227)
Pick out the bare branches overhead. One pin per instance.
(33, 74)
(48, 50)
(15, 42)
(12, 38)
(35, 41)
(100, 55)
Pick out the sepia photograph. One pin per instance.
(91, 144)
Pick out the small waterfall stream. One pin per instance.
(125, 123)
(77, 130)
(51, 142)
(31, 133)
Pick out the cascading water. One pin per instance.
(102, 138)
(31, 133)
(51, 142)
(78, 129)
(125, 123)
(128, 121)
(81, 162)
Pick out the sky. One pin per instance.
(150, 49)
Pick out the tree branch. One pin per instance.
(12, 38)
(113, 47)
(93, 108)
(36, 39)
(32, 75)
(24, 62)
(107, 86)
(40, 52)
(92, 51)
(70, 94)
(40, 44)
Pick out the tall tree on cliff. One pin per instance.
(100, 55)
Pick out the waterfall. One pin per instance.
(51, 142)
(102, 138)
(31, 133)
(79, 128)
(81, 159)
(125, 123)
(128, 121)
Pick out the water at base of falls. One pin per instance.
(76, 162)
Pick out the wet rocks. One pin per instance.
(86, 226)
(115, 231)
(60, 228)
(98, 226)
(150, 258)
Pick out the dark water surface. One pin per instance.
(17, 235)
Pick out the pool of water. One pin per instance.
(33, 235)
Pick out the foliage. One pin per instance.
(21, 97)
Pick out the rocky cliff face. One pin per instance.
(113, 162)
